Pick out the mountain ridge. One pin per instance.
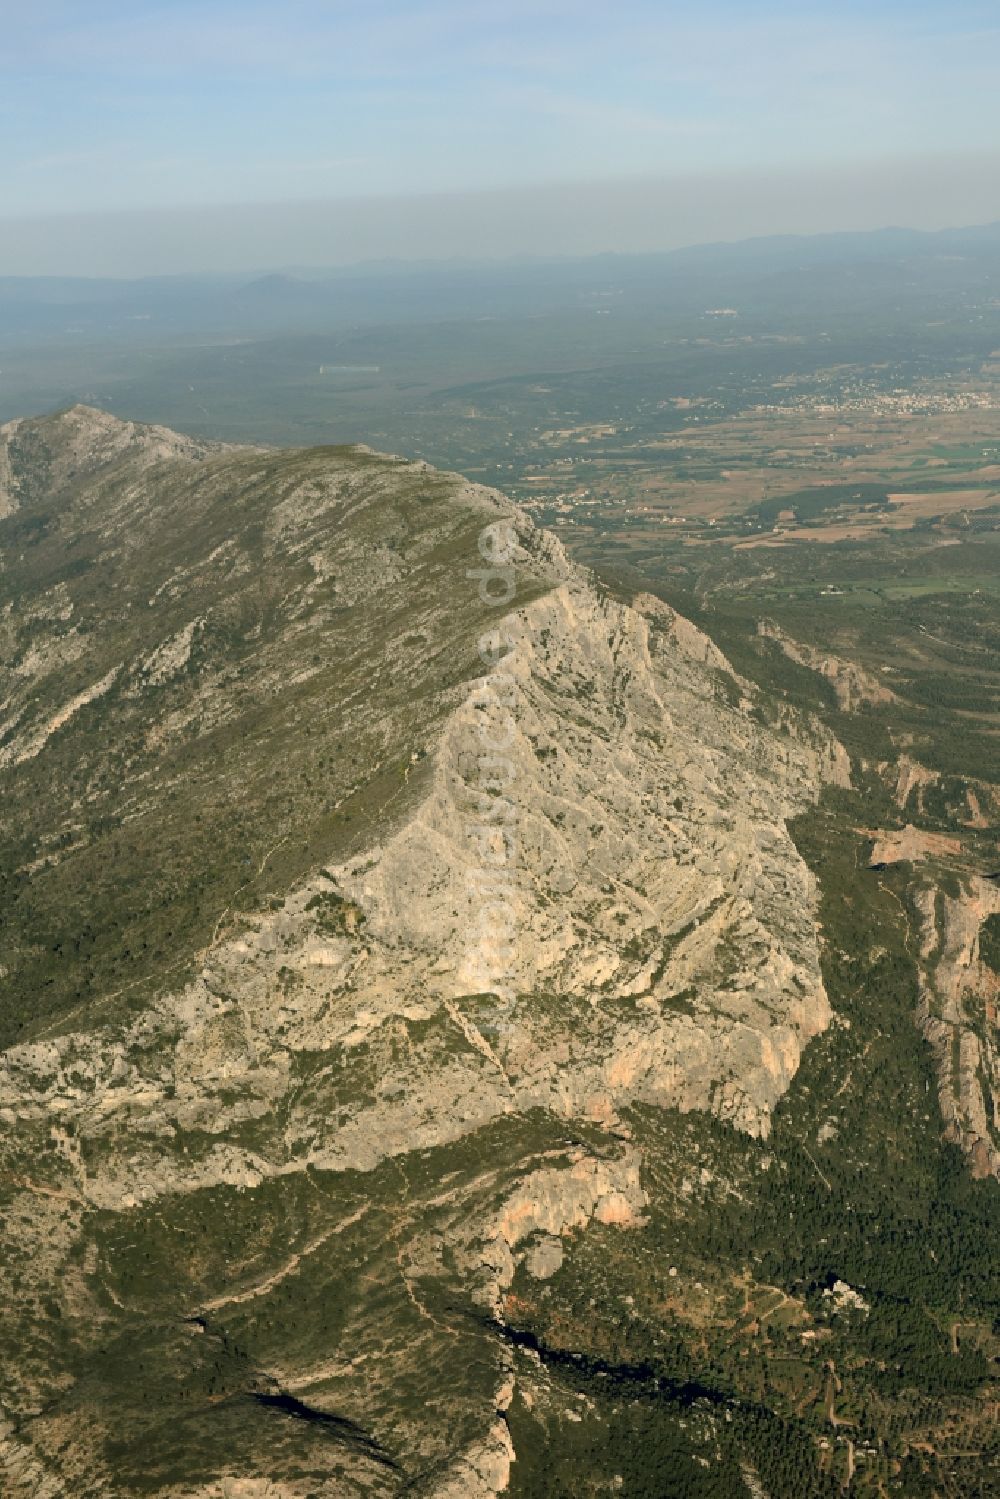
(344, 1014)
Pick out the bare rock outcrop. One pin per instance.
(958, 1015)
(912, 777)
(910, 845)
(853, 685)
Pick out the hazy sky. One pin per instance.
(136, 105)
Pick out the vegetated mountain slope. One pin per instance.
(936, 826)
(351, 910)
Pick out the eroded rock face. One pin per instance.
(632, 836)
(853, 685)
(958, 1014)
(585, 896)
(910, 778)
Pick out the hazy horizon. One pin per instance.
(546, 220)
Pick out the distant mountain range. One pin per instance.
(296, 300)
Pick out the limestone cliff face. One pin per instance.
(958, 1012)
(631, 837)
(581, 894)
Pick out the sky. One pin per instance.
(120, 117)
